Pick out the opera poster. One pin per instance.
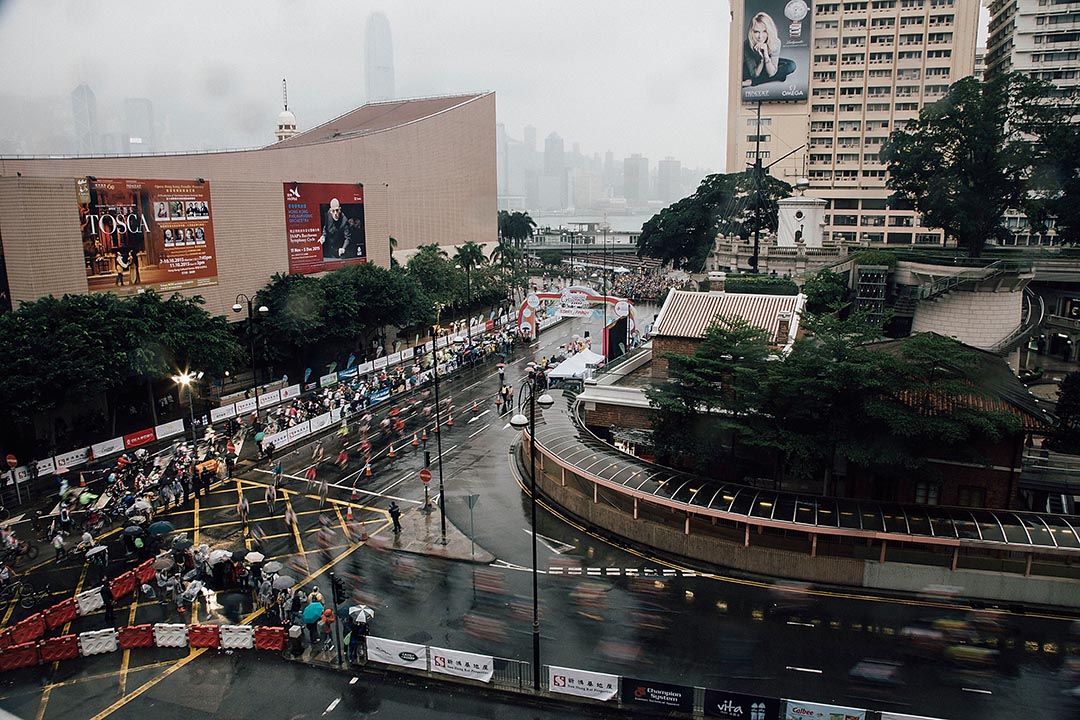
(324, 226)
(776, 50)
(146, 234)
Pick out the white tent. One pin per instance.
(579, 365)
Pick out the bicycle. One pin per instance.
(12, 588)
(28, 597)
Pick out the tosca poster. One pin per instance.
(776, 50)
(324, 226)
(146, 234)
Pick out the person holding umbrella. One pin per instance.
(311, 616)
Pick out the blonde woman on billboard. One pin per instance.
(761, 53)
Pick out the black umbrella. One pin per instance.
(133, 530)
(238, 555)
(161, 527)
(182, 544)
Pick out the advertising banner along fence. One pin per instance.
(140, 234)
(324, 226)
(598, 686)
(799, 710)
(393, 652)
(776, 50)
(462, 664)
(724, 704)
(658, 695)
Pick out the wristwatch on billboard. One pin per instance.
(795, 11)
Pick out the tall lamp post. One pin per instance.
(520, 422)
(187, 380)
(263, 310)
(468, 299)
(438, 425)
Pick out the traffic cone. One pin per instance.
(450, 421)
(423, 435)
(367, 470)
(475, 407)
(415, 442)
(348, 514)
(391, 454)
(354, 497)
(82, 480)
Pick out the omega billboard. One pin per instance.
(776, 50)
(146, 234)
(324, 226)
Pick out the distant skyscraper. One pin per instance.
(636, 180)
(139, 125)
(668, 180)
(378, 59)
(554, 168)
(502, 171)
(530, 137)
(84, 108)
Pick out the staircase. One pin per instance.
(912, 295)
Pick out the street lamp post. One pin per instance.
(438, 425)
(468, 299)
(520, 422)
(263, 310)
(187, 380)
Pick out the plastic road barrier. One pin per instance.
(19, 656)
(170, 635)
(60, 613)
(28, 630)
(145, 572)
(97, 642)
(5, 639)
(237, 637)
(269, 638)
(136, 636)
(123, 584)
(89, 601)
(64, 647)
(204, 636)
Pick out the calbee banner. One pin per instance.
(393, 652)
(799, 710)
(462, 664)
(598, 686)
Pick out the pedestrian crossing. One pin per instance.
(577, 571)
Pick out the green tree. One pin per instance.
(469, 257)
(433, 271)
(363, 299)
(1066, 434)
(1056, 182)
(967, 159)
(825, 291)
(684, 233)
(516, 227)
(709, 399)
(295, 326)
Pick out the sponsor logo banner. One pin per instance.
(347, 373)
(278, 439)
(73, 458)
(309, 386)
(573, 312)
(658, 694)
(290, 392)
(335, 414)
(271, 398)
(462, 664)
(799, 710)
(222, 413)
(324, 226)
(243, 407)
(393, 358)
(297, 431)
(108, 447)
(393, 652)
(568, 681)
(139, 438)
(319, 422)
(176, 427)
(379, 396)
(365, 368)
(776, 50)
(328, 380)
(723, 704)
(142, 234)
(46, 466)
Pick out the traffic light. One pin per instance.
(338, 586)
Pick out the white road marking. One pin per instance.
(485, 427)
(346, 488)
(813, 671)
(977, 690)
(614, 571)
(330, 708)
(800, 624)
(477, 417)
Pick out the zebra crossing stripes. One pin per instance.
(623, 572)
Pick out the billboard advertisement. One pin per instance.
(146, 234)
(776, 50)
(658, 695)
(737, 706)
(324, 226)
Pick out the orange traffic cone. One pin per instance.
(415, 442)
(450, 421)
(391, 454)
(423, 435)
(82, 480)
(348, 514)
(475, 407)
(354, 497)
(367, 470)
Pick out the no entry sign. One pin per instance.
(425, 475)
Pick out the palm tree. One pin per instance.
(468, 257)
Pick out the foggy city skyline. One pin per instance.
(590, 74)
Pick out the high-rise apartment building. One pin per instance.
(668, 180)
(872, 65)
(1040, 38)
(84, 112)
(636, 180)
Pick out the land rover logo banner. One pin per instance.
(658, 695)
(598, 686)
(724, 704)
(393, 652)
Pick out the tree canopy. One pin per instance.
(515, 226)
(683, 234)
(971, 155)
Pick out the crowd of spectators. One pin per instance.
(648, 285)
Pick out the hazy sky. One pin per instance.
(621, 75)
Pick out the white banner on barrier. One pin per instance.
(598, 686)
(108, 447)
(297, 431)
(393, 652)
(271, 398)
(335, 415)
(73, 458)
(278, 439)
(365, 368)
(243, 407)
(462, 664)
(328, 379)
(176, 427)
(393, 358)
(799, 710)
(290, 392)
(222, 413)
(319, 422)
(46, 466)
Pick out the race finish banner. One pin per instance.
(598, 686)
(776, 50)
(146, 234)
(324, 226)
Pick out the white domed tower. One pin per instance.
(286, 121)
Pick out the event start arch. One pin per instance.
(616, 315)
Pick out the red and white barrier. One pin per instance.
(98, 642)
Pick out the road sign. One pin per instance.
(425, 475)
(12, 461)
